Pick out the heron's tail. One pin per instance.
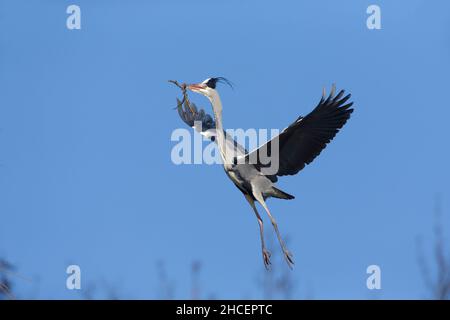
(277, 193)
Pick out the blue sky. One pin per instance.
(86, 118)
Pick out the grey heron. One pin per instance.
(296, 146)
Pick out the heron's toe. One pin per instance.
(266, 258)
(289, 258)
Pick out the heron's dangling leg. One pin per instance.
(287, 254)
(265, 253)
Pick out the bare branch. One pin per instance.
(440, 286)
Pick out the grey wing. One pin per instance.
(204, 124)
(301, 142)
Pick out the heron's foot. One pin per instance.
(289, 258)
(266, 257)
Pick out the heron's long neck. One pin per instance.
(217, 109)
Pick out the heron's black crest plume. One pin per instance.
(212, 82)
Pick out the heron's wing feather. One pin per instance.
(206, 126)
(301, 142)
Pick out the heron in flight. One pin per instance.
(296, 146)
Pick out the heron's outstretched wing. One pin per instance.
(301, 142)
(206, 126)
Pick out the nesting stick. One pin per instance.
(183, 87)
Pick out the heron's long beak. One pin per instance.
(197, 87)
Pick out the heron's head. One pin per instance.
(208, 87)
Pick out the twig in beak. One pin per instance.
(183, 88)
